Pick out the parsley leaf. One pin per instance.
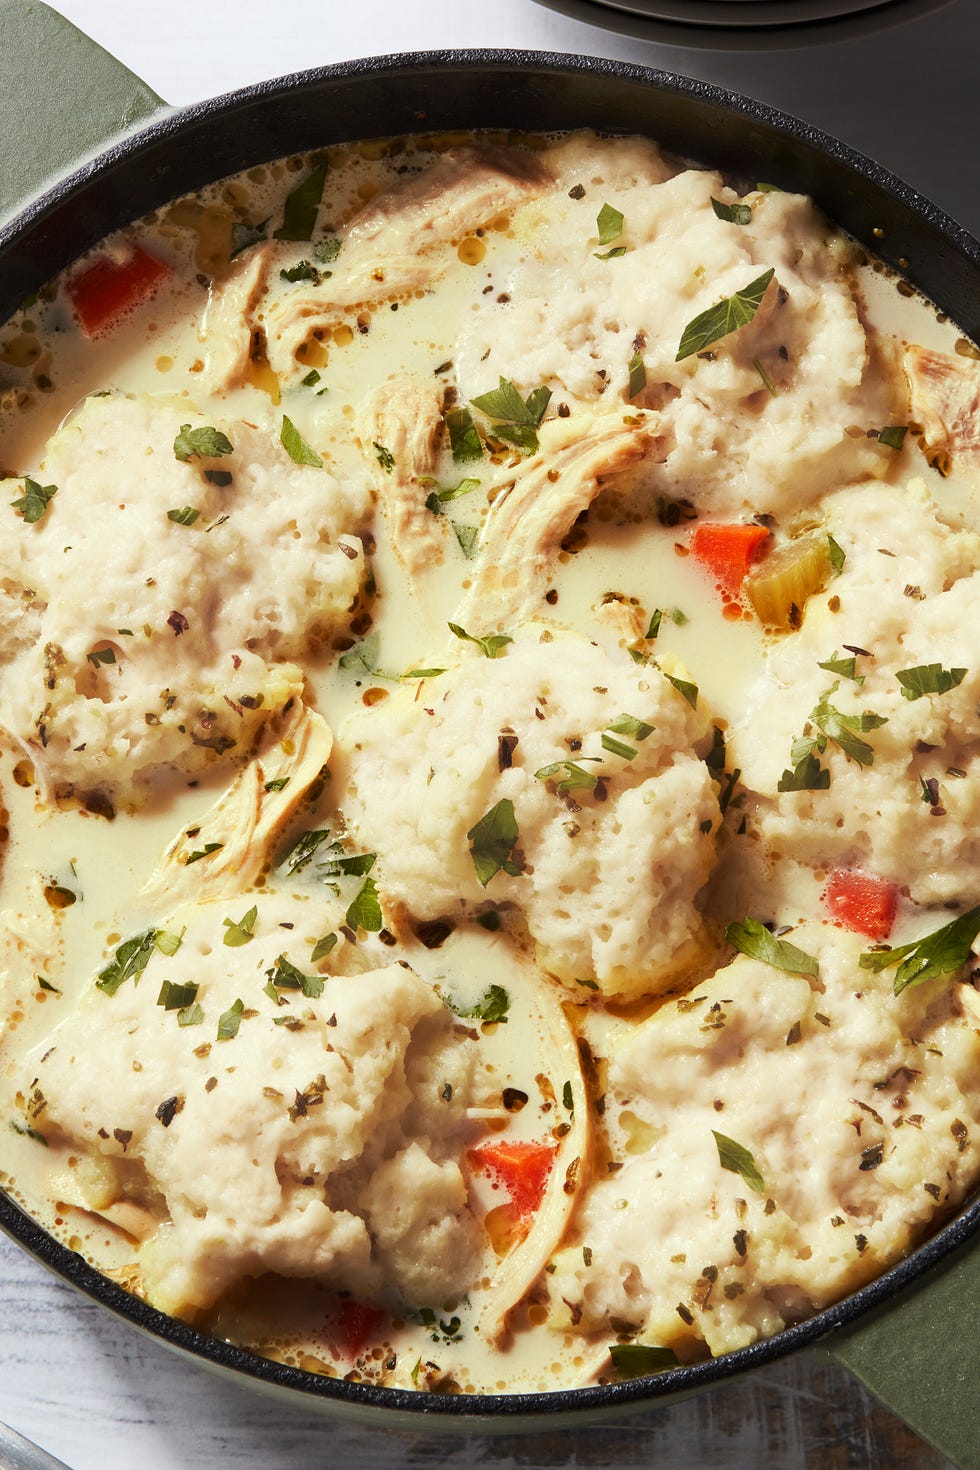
(839, 729)
(384, 457)
(618, 747)
(203, 852)
(736, 1158)
(437, 498)
(322, 948)
(490, 646)
(169, 944)
(467, 536)
(574, 779)
(893, 436)
(303, 270)
(101, 656)
(807, 775)
(492, 842)
(689, 691)
(185, 517)
(363, 657)
(609, 225)
(278, 783)
(243, 235)
(206, 442)
(754, 939)
(192, 1015)
(131, 959)
(725, 317)
(493, 1006)
(301, 206)
(35, 500)
(942, 952)
(845, 667)
(734, 214)
(284, 975)
(364, 912)
(296, 446)
(174, 997)
(464, 439)
(637, 1359)
(638, 375)
(516, 419)
(928, 679)
(327, 251)
(836, 554)
(630, 725)
(237, 934)
(230, 1020)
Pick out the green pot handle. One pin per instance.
(919, 1355)
(63, 100)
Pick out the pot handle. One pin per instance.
(63, 99)
(918, 1354)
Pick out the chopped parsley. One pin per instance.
(737, 1159)
(609, 224)
(332, 861)
(942, 952)
(574, 779)
(301, 206)
(168, 943)
(203, 443)
(516, 419)
(34, 501)
(101, 656)
(492, 1006)
(490, 646)
(845, 667)
(837, 728)
(767, 382)
(131, 959)
(230, 1020)
(241, 931)
(630, 725)
(807, 775)
(244, 235)
(364, 911)
(754, 939)
(467, 536)
(279, 783)
(689, 691)
(928, 679)
(296, 446)
(893, 436)
(322, 948)
(618, 747)
(638, 374)
(723, 318)
(363, 657)
(326, 252)
(492, 841)
(437, 498)
(202, 852)
(836, 554)
(733, 214)
(192, 1015)
(303, 270)
(637, 1359)
(384, 457)
(464, 438)
(186, 516)
(284, 975)
(174, 997)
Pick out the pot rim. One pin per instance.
(14, 1220)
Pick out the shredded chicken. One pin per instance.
(400, 432)
(228, 322)
(517, 1273)
(946, 402)
(389, 250)
(528, 522)
(246, 819)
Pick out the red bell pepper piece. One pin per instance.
(105, 291)
(861, 902)
(729, 551)
(354, 1327)
(521, 1167)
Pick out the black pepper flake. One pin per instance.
(958, 1130)
(433, 934)
(932, 1189)
(684, 1314)
(871, 1157)
(506, 745)
(211, 1084)
(386, 937)
(168, 1110)
(794, 1034)
(123, 1136)
(740, 1240)
(514, 1099)
(178, 623)
(577, 192)
(447, 1092)
(861, 1241)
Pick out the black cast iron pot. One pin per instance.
(910, 1334)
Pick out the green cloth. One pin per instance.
(920, 1355)
(64, 99)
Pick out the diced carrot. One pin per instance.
(728, 551)
(861, 902)
(353, 1327)
(521, 1167)
(107, 290)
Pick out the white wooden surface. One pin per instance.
(93, 1391)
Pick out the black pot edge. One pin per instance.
(45, 225)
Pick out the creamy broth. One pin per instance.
(583, 1073)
